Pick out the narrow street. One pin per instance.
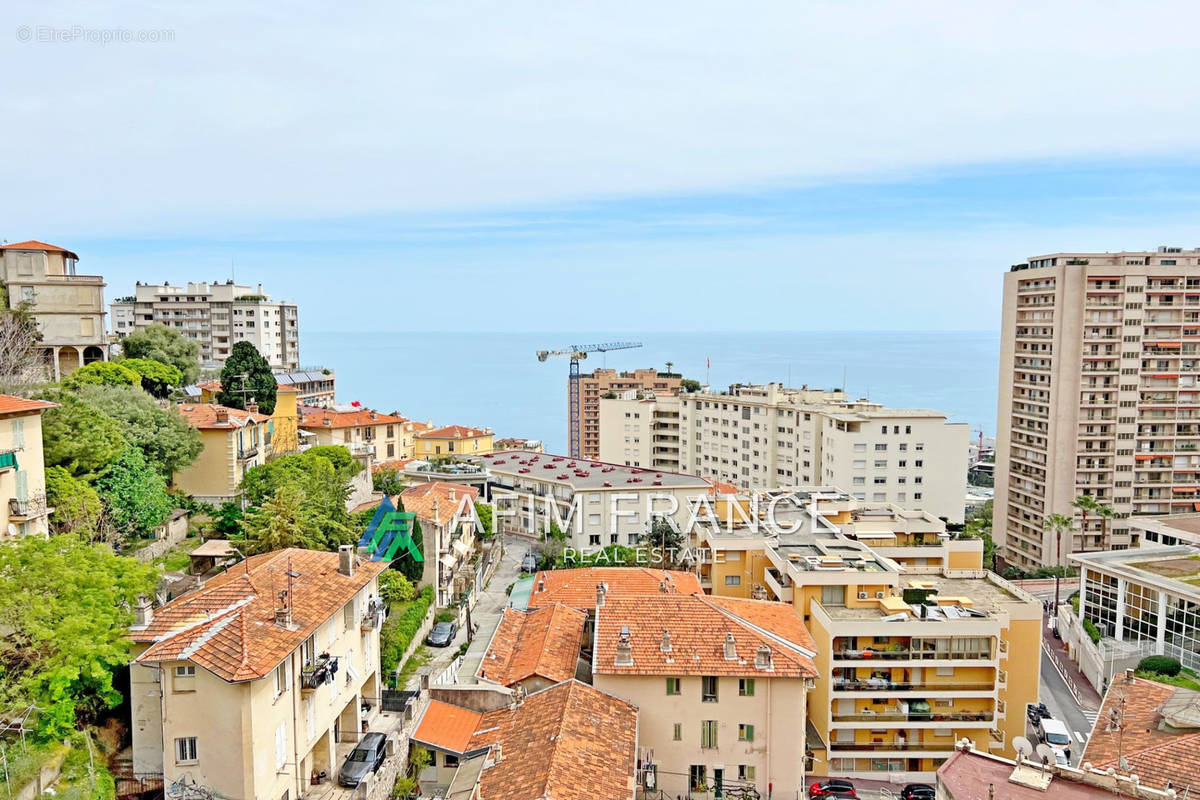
(488, 611)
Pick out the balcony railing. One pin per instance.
(900, 746)
(319, 672)
(905, 654)
(982, 716)
(246, 453)
(374, 616)
(878, 685)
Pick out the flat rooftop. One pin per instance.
(980, 595)
(585, 474)
(1176, 567)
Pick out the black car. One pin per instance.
(917, 791)
(1036, 712)
(834, 787)
(442, 634)
(364, 759)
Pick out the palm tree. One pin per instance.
(1057, 523)
(1085, 503)
(1105, 513)
(670, 364)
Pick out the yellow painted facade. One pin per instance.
(285, 437)
(216, 474)
(430, 444)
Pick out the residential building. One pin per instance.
(600, 382)
(535, 649)
(568, 742)
(576, 588)
(249, 685)
(452, 440)
(1099, 364)
(68, 307)
(1172, 529)
(317, 386)
(23, 508)
(285, 417)
(527, 445)
(233, 440)
(721, 685)
(216, 316)
(771, 437)
(1148, 729)
(1141, 602)
(360, 429)
(446, 513)
(596, 504)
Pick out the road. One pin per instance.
(1054, 693)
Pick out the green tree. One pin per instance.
(80, 438)
(688, 385)
(1105, 513)
(102, 373)
(157, 378)
(66, 606)
(166, 439)
(1057, 524)
(227, 521)
(160, 343)
(979, 526)
(395, 588)
(246, 369)
(322, 477)
(135, 495)
(77, 506)
(387, 481)
(666, 543)
(1085, 504)
(281, 522)
(484, 512)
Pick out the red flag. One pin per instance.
(356, 404)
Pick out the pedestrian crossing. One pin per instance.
(1090, 716)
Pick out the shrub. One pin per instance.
(1163, 665)
(399, 630)
(1092, 631)
(395, 588)
(445, 616)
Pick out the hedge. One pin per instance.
(1092, 631)
(1163, 665)
(399, 630)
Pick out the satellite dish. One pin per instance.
(1046, 753)
(1024, 746)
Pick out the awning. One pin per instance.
(874, 535)
(460, 547)
(447, 560)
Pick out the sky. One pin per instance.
(655, 166)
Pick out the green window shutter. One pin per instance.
(8, 460)
(22, 486)
(18, 433)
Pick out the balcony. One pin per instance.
(321, 671)
(247, 453)
(895, 746)
(33, 508)
(979, 716)
(782, 587)
(883, 685)
(374, 616)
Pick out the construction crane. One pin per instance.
(576, 353)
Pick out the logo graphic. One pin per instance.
(389, 531)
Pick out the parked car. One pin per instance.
(917, 791)
(1036, 712)
(442, 634)
(529, 563)
(364, 759)
(832, 788)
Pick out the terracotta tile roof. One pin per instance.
(359, 417)
(215, 386)
(1155, 755)
(204, 416)
(11, 404)
(452, 499)
(568, 742)
(228, 626)
(717, 487)
(577, 587)
(543, 643)
(33, 244)
(698, 629)
(397, 465)
(447, 726)
(454, 432)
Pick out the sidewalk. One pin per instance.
(1089, 698)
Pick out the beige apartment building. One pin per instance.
(596, 384)
(234, 442)
(68, 307)
(23, 507)
(216, 316)
(770, 437)
(247, 686)
(362, 430)
(1098, 395)
(316, 386)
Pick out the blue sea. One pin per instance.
(495, 380)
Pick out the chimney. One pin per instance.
(662, 586)
(518, 697)
(222, 415)
(762, 659)
(497, 753)
(346, 560)
(601, 589)
(283, 612)
(252, 406)
(665, 646)
(327, 422)
(143, 612)
(730, 648)
(541, 584)
(624, 648)
(1129, 676)
(373, 415)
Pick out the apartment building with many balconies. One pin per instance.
(216, 316)
(1099, 394)
(770, 437)
(595, 385)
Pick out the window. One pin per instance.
(185, 671)
(733, 580)
(708, 733)
(185, 750)
(745, 732)
(879, 448)
(281, 679)
(708, 689)
(677, 735)
(746, 772)
(746, 687)
(280, 746)
(696, 775)
(449, 760)
(833, 595)
(672, 685)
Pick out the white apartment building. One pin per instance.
(1099, 394)
(216, 316)
(771, 437)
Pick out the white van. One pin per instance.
(1055, 734)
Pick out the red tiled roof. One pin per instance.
(968, 775)
(698, 629)
(452, 499)
(568, 742)
(359, 417)
(447, 726)
(397, 465)
(577, 587)
(204, 416)
(11, 404)
(717, 487)
(1155, 755)
(543, 643)
(33, 244)
(454, 432)
(228, 626)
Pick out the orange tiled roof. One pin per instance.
(698, 629)
(204, 416)
(359, 417)
(577, 587)
(1155, 755)
(228, 626)
(454, 432)
(568, 742)
(447, 726)
(452, 499)
(397, 465)
(33, 244)
(542, 643)
(11, 404)
(215, 386)
(717, 487)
